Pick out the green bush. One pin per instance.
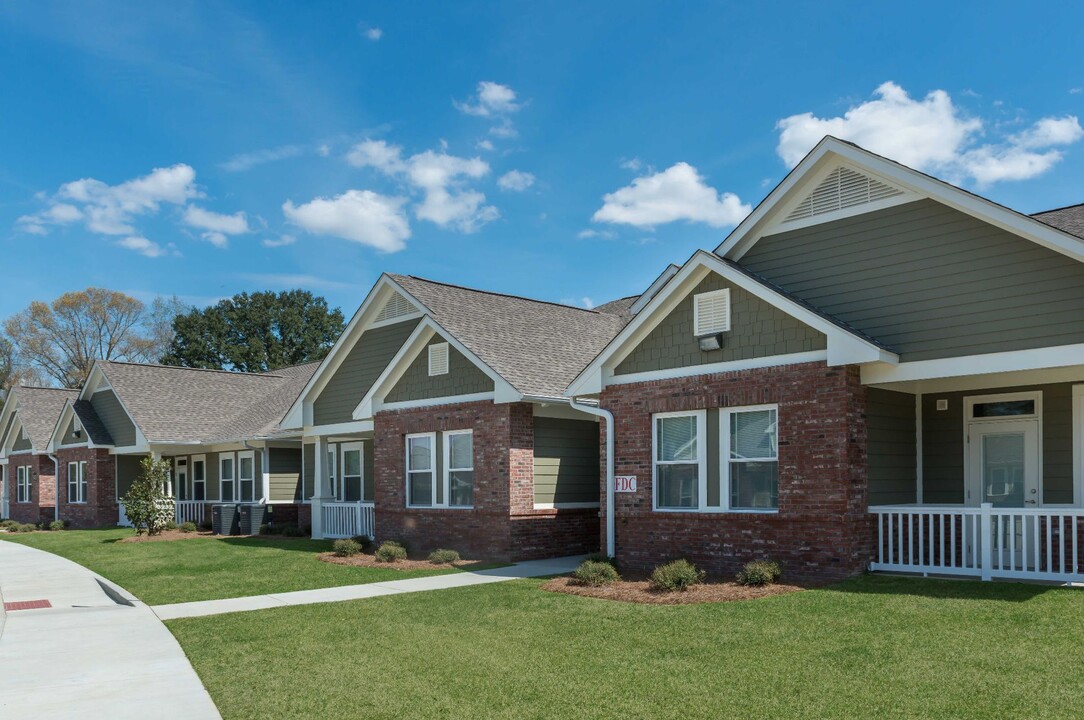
(364, 541)
(170, 525)
(677, 575)
(346, 547)
(25, 527)
(188, 527)
(595, 573)
(7, 523)
(58, 525)
(759, 572)
(266, 529)
(602, 558)
(144, 503)
(390, 551)
(443, 556)
(291, 530)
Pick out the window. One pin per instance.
(23, 478)
(246, 476)
(331, 472)
(711, 312)
(751, 448)
(352, 482)
(1003, 408)
(459, 467)
(77, 482)
(199, 478)
(421, 469)
(181, 475)
(225, 478)
(679, 459)
(438, 359)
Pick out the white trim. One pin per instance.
(567, 506)
(435, 360)
(968, 421)
(726, 415)
(80, 483)
(722, 367)
(652, 289)
(446, 468)
(234, 494)
(1009, 361)
(246, 455)
(393, 321)
(432, 467)
(447, 400)
(344, 448)
(918, 448)
(782, 226)
(192, 460)
(701, 458)
(707, 297)
(347, 428)
(1078, 444)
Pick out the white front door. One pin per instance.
(352, 483)
(1003, 465)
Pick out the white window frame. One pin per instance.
(440, 347)
(222, 458)
(332, 471)
(181, 466)
(79, 483)
(726, 415)
(22, 483)
(343, 449)
(202, 459)
(699, 331)
(246, 455)
(701, 459)
(971, 493)
(447, 470)
(432, 468)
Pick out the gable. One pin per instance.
(843, 190)
(463, 377)
(113, 415)
(69, 437)
(757, 329)
(929, 281)
(22, 441)
(358, 371)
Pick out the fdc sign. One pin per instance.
(625, 483)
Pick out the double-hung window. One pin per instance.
(246, 476)
(750, 453)
(225, 478)
(22, 483)
(199, 478)
(679, 459)
(447, 484)
(77, 482)
(331, 472)
(351, 473)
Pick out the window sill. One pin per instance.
(439, 507)
(718, 511)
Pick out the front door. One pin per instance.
(181, 483)
(1004, 463)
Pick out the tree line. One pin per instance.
(56, 343)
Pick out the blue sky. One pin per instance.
(565, 151)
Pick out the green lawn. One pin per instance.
(871, 647)
(205, 568)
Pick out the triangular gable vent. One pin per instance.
(843, 188)
(396, 306)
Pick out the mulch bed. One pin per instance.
(640, 591)
(367, 560)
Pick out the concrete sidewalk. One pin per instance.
(533, 568)
(96, 653)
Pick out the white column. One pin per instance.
(265, 465)
(986, 536)
(319, 486)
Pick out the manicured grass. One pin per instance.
(871, 647)
(206, 568)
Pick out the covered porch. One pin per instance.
(338, 477)
(978, 475)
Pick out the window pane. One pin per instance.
(459, 451)
(461, 487)
(421, 488)
(247, 490)
(197, 471)
(420, 449)
(227, 469)
(351, 463)
(198, 492)
(227, 491)
(246, 467)
(1005, 408)
(677, 438)
(753, 434)
(754, 485)
(352, 489)
(678, 485)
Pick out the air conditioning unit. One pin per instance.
(225, 520)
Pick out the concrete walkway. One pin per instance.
(533, 568)
(97, 652)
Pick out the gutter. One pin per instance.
(608, 417)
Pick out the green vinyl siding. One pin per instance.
(929, 281)
(128, 468)
(69, 437)
(757, 329)
(358, 371)
(212, 477)
(285, 474)
(22, 442)
(566, 461)
(891, 451)
(943, 444)
(308, 471)
(116, 420)
(463, 378)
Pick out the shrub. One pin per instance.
(291, 530)
(8, 524)
(595, 573)
(677, 575)
(266, 529)
(759, 572)
(58, 525)
(364, 541)
(390, 551)
(170, 525)
(602, 558)
(145, 504)
(25, 527)
(346, 547)
(188, 527)
(443, 556)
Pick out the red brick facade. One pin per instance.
(503, 523)
(42, 502)
(100, 508)
(822, 529)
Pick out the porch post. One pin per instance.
(986, 535)
(318, 487)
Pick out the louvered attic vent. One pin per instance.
(842, 189)
(396, 306)
(438, 359)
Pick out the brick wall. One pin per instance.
(100, 508)
(503, 524)
(822, 529)
(42, 489)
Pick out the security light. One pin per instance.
(711, 342)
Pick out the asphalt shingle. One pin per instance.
(1068, 219)
(39, 409)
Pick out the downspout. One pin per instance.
(56, 487)
(609, 418)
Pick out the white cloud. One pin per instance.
(633, 164)
(515, 181)
(247, 161)
(440, 177)
(361, 216)
(112, 209)
(677, 193)
(932, 134)
(294, 280)
(371, 33)
(491, 99)
(216, 226)
(591, 233)
(143, 246)
(323, 150)
(484, 145)
(281, 241)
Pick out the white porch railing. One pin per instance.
(348, 519)
(191, 511)
(986, 542)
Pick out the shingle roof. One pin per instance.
(174, 404)
(92, 424)
(621, 307)
(538, 347)
(39, 408)
(1069, 219)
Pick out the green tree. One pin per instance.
(146, 504)
(255, 332)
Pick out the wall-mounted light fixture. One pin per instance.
(711, 342)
